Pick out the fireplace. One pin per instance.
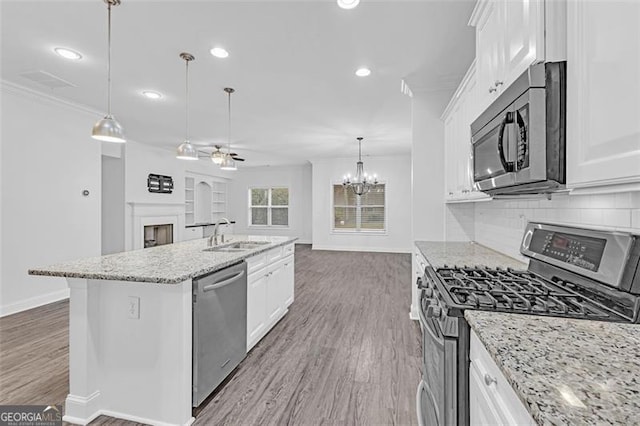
(158, 235)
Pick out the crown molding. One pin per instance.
(26, 92)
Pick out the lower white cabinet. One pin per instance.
(288, 280)
(492, 400)
(270, 285)
(192, 233)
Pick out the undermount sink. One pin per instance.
(237, 246)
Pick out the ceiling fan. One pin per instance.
(220, 154)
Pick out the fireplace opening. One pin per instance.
(158, 235)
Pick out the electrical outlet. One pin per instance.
(133, 308)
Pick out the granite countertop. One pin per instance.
(566, 371)
(439, 254)
(167, 264)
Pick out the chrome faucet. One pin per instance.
(213, 239)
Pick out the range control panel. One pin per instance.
(578, 250)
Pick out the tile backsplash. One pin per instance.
(499, 224)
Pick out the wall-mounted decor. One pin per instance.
(160, 184)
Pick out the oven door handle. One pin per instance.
(422, 386)
(419, 403)
(506, 165)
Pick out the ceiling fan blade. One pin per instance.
(238, 159)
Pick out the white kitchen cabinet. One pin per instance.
(603, 87)
(192, 233)
(487, 18)
(288, 279)
(270, 285)
(511, 35)
(275, 292)
(492, 400)
(256, 307)
(458, 116)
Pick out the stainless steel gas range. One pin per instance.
(572, 273)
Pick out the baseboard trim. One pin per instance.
(83, 410)
(362, 249)
(143, 420)
(33, 302)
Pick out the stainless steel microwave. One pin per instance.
(519, 141)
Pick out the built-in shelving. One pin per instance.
(205, 199)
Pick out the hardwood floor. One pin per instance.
(345, 354)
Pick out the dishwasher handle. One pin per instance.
(223, 283)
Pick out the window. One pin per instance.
(364, 213)
(269, 206)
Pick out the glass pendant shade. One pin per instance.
(186, 151)
(217, 157)
(228, 163)
(108, 130)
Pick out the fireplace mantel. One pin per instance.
(144, 214)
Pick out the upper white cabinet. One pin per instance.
(603, 94)
(457, 118)
(510, 36)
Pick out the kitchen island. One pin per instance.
(130, 326)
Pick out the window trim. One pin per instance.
(358, 231)
(268, 207)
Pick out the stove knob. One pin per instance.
(434, 311)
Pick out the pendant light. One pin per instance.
(228, 163)
(186, 151)
(108, 129)
(361, 183)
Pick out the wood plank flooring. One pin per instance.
(345, 354)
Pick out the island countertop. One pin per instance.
(566, 371)
(439, 254)
(166, 264)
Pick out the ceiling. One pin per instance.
(292, 64)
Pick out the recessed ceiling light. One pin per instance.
(68, 53)
(151, 94)
(348, 4)
(219, 52)
(363, 72)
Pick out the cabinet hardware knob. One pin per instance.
(492, 89)
(499, 83)
(488, 380)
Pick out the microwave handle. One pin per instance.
(508, 119)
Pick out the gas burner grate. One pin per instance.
(508, 290)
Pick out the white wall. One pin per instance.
(296, 178)
(427, 165)
(427, 174)
(48, 159)
(395, 172)
(112, 204)
(499, 224)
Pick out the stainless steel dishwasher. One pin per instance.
(219, 327)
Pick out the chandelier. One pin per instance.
(361, 182)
